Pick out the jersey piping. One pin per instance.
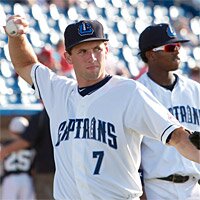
(36, 81)
(165, 131)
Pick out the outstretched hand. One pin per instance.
(181, 140)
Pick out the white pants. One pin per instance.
(156, 189)
(18, 187)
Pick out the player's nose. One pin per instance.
(91, 56)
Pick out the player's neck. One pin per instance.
(83, 91)
(83, 82)
(164, 78)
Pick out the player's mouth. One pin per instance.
(176, 58)
(92, 67)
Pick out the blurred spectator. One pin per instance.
(46, 57)
(64, 5)
(17, 166)
(37, 134)
(195, 74)
(63, 67)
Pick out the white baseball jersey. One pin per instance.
(17, 179)
(96, 138)
(184, 103)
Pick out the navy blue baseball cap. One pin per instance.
(83, 31)
(158, 35)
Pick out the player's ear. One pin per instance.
(68, 57)
(149, 55)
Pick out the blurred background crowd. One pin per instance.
(123, 21)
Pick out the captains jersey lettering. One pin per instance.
(186, 114)
(94, 129)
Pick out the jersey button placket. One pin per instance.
(78, 152)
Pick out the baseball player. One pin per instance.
(98, 121)
(17, 180)
(173, 176)
(37, 136)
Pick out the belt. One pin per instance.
(175, 178)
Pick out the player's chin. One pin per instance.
(94, 75)
(174, 65)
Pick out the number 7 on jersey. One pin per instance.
(99, 155)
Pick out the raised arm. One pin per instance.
(180, 140)
(21, 52)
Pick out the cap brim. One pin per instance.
(173, 41)
(88, 40)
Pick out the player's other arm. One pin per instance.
(14, 146)
(21, 52)
(180, 140)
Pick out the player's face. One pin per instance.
(167, 60)
(88, 60)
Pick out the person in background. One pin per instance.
(63, 67)
(17, 177)
(167, 174)
(37, 135)
(45, 56)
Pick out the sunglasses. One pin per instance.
(168, 47)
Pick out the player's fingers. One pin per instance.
(13, 17)
(18, 20)
(21, 22)
(23, 31)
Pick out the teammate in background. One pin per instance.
(17, 166)
(97, 121)
(37, 135)
(167, 174)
